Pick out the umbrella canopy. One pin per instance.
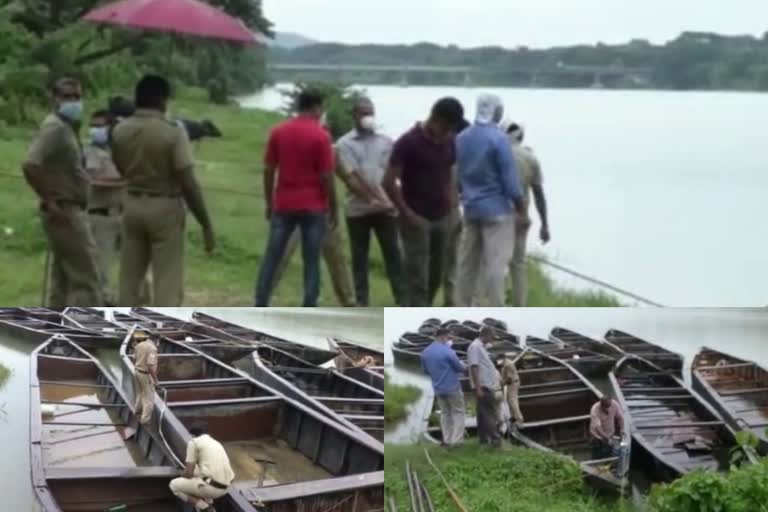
(181, 16)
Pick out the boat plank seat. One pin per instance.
(55, 473)
(350, 401)
(676, 388)
(553, 393)
(681, 425)
(552, 384)
(745, 391)
(363, 417)
(725, 366)
(204, 382)
(226, 401)
(559, 421)
(657, 398)
(256, 494)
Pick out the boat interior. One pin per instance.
(89, 319)
(574, 339)
(93, 454)
(679, 428)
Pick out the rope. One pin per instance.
(595, 281)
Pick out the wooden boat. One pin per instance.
(326, 390)
(674, 429)
(91, 454)
(555, 401)
(737, 389)
(354, 350)
(573, 339)
(586, 362)
(93, 320)
(38, 331)
(415, 338)
(129, 320)
(496, 324)
(311, 355)
(371, 376)
(286, 456)
(47, 314)
(632, 345)
(411, 354)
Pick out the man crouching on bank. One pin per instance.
(207, 474)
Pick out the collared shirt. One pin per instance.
(303, 153)
(210, 456)
(427, 172)
(57, 151)
(150, 152)
(367, 154)
(488, 376)
(487, 172)
(444, 368)
(529, 168)
(602, 424)
(99, 165)
(146, 355)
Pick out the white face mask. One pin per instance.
(368, 123)
(99, 135)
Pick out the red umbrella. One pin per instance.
(182, 16)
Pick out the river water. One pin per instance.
(660, 193)
(741, 332)
(311, 327)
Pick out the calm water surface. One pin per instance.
(310, 327)
(741, 332)
(660, 193)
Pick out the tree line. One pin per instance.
(693, 60)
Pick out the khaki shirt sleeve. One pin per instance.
(182, 151)
(191, 452)
(48, 141)
(152, 358)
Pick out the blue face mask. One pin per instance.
(99, 135)
(71, 110)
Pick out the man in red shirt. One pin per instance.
(300, 153)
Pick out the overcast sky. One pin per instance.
(510, 23)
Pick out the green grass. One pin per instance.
(511, 480)
(397, 398)
(230, 172)
(5, 374)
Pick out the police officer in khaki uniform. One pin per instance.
(207, 473)
(145, 378)
(154, 155)
(54, 170)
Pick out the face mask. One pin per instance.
(99, 135)
(368, 123)
(72, 110)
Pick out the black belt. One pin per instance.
(105, 212)
(146, 193)
(214, 483)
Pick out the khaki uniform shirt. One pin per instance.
(57, 150)
(146, 355)
(529, 169)
(150, 151)
(99, 165)
(211, 458)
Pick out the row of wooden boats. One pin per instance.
(301, 437)
(674, 428)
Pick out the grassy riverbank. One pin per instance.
(5, 374)
(230, 171)
(397, 398)
(511, 480)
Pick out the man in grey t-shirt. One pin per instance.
(363, 155)
(486, 383)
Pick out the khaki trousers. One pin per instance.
(333, 254)
(195, 488)
(153, 237)
(74, 275)
(145, 395)
(518, 269)
(486, 250)
(452, 417)
(511, 394)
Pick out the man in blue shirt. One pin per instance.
(490, 187)
(443, 366)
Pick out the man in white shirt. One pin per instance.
(487, 386)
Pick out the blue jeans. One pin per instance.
(313, 226)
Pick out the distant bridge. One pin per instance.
(366, 72)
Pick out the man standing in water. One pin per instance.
(444, 368)
(207, 471)
(489, 190)
(54, 170)
(363, 157)
(531, 180)
(421, 181)
(487, 386)
(300, 152)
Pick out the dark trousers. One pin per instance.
(601, 449)
(385, 228)
(282, 225)
(425, 250)
(487, 419)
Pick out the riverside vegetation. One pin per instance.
(397, 398)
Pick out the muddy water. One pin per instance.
(310, 327)
(279, 464)
(741, 332)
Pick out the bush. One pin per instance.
(396, 400)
